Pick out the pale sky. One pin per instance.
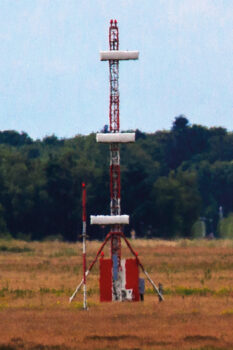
(52, 82)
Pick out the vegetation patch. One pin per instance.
(17, 293)
(18, 343)
(183, 171)
(15, 249)
(211, 347)
(3, 306)
(227, 312)
(111, 337)
(7, 347)
(199, 337)
(186, 291)
(64, 252)
(79, 305)
(57, 292)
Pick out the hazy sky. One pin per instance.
(52, 82)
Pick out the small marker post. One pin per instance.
(84, 244)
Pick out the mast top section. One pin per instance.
(114, 54)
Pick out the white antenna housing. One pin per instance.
(118, 55)
(115, 137)
(109, 219)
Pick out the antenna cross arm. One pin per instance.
(117, 137)
(118, 55)
(109, 219)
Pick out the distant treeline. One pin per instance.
(169, 180)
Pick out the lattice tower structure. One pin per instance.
(119, 279)
(114, 127)
(114, 138)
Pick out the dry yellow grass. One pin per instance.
(36, 280)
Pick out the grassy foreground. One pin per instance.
(36, 280)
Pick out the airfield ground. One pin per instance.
(36, 280)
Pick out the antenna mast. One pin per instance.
(114, 138)
(119, 278)
(114, 126)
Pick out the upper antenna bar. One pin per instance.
(118, 55)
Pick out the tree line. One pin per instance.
(169, 179)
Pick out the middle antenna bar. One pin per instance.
(118, 55)
(115, 137)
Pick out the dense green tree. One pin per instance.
(169, 179)
(177, 204)
(14, 138)
(180, 123)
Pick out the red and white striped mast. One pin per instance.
(114, 138)
(114, 127)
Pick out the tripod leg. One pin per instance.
(91, 266)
